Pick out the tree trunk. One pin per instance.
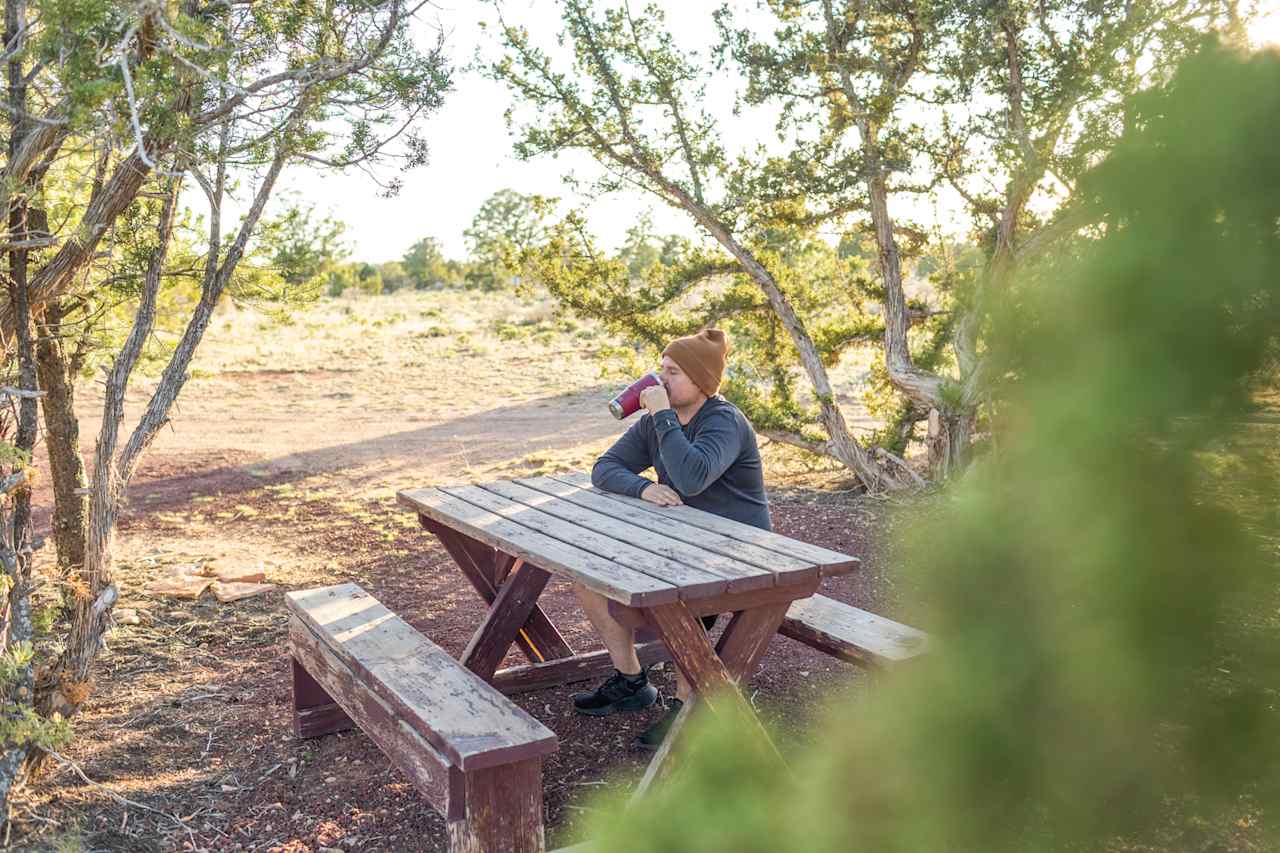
(841, 445)
(62, 439)
(948, 441)
(17, 545)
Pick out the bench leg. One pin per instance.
(314, 711)
(504, 811)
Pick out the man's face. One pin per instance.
(680, 388)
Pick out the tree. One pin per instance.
(426, 264)
(507, 222)
(632, 103)
(393, 276)
(1053, 75)
(301, 247)
(152, 97)
(1092, 686)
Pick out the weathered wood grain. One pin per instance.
(851, 634)
(692, 581)
(592, 571)
(509, 611)
(746, 638)
(315, 713)
(582, 667)
(738, 575)
(639, 617)
(829, 562)
(539, 639)
(669, 526)
(460, 715)
(504, 811)
(430, 771)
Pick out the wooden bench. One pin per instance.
(851, 634)
(472, 753)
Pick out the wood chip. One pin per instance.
(239, 574)
(126, 616)
(226, 592)
(181, 586)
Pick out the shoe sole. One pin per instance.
(622, 706)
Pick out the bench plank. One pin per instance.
(829, 562)
(594, 572)
(852, 634)
(692, 582)
(430, 772)
(739, 576)
(670, 528)
(467, 720)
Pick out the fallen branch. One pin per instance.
(883, 454)
(65, 762)
(20, 393)
(822, 448)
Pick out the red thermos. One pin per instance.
(628, 402)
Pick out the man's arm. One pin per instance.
(692, 466)
(618, 470)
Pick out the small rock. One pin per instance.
(329, 850)
(126, 616)
(330, 780)
(297, 816)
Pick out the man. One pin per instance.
(704, 453)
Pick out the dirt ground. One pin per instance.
(287, 448)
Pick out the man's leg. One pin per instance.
(618, 638)
(628, 689)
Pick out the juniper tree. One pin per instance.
(633, 100)
(124, 105)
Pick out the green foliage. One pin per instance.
(301, 248)
(427, 266)
(658, 288)
(504, 226)
(19, 723)
(1102, 593)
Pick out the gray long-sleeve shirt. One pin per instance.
(712, 461)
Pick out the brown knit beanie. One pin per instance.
(701, 356)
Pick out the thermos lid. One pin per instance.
(615, 408)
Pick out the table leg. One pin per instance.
(510, 610)
(714, 684)
(747, 637)
(487, 569)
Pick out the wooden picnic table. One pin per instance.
(660, 567)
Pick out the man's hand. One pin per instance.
(661, 495)
(654, 399)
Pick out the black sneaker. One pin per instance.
(652, 737)
(619, 693)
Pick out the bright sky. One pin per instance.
(471, 148)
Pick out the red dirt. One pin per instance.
(191, 714)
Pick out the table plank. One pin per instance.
(743, 552)
(829, 562)
(692, 582)
(611, 580)
(739, 576)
